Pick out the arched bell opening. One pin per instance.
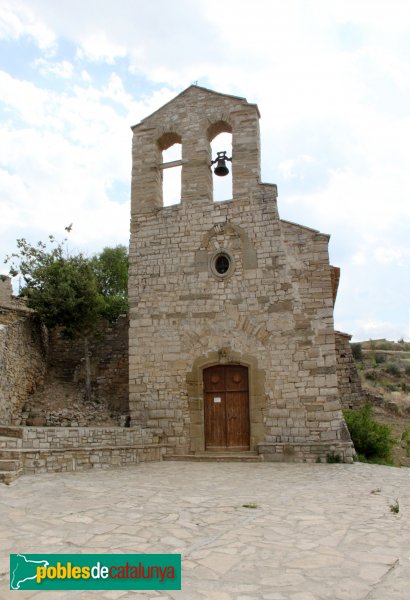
(220, 137)
(171, 168)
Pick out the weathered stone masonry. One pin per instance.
(62, 449)
(272, 312)
(28, 378)
(108, 349)
(350, 388)
(23, 356)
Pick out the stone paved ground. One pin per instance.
(317, 532)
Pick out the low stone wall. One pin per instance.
(57, 438)
(82, 459)
(308, 452)
(23, 352)
(61, 449)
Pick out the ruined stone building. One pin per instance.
(231, 340)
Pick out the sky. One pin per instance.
(332, 82)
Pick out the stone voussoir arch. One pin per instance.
(166, 138)
(217, 124)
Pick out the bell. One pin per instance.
(221, 169)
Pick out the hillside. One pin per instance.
(384, 370)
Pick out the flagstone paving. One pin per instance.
(245, 531)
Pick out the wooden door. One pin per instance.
(226, 406)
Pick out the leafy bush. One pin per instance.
(357, 351)
(333, 458)
(372, 375)
(392, 369)
(379, 358)
(373, 441)
(405, 436)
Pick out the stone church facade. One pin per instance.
(231, 339)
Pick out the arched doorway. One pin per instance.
(226, 407)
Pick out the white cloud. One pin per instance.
(290, 168)
(98, 48)
(385, 15)
(63, 69)
(14, 94)
(377, 329)
(360, 258)
(387, 255)
(375, 251)
(59, 163)
(85, 76)
(372, 202)
(17, 20)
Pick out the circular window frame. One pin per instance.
(212, 264)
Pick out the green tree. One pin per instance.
(72, 292)
(62, 289)
(111, 270)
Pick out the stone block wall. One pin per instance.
(109, 362)
(272, 312)
(60, 449)
(82, 459)
(42, 373)
(5, 290)
(23, 354)
(350, 388)
(274, 316)
(307, 452)
(60, 438)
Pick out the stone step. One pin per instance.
(10, 465)
(8, 477)
(216, 457)
(14, 432)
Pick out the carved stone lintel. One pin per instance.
(224, 355)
